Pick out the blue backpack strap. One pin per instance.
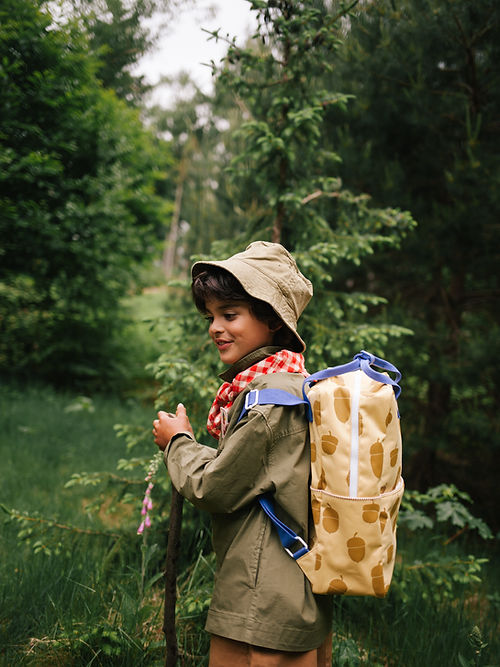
(287, 536)
(289, 539)
(270, 397)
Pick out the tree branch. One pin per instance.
(317, 194)
(54, 524)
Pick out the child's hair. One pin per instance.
(221, 285)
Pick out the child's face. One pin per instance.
(235, 330)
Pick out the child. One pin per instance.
(263, 611)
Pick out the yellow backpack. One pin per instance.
(356, 482)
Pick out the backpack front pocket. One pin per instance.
(353, 548)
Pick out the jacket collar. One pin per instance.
(249, 360)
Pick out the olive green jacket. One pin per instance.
(261, 596)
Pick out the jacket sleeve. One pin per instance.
(223, 480)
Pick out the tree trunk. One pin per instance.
(168, 261)
(278, 225)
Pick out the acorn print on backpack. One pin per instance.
(356, 483)
(377, 458)
(356, 548)
(370, 512)
(329, 443)
(337, 586)
(316, 509)
(394, 456)
(378, 581)
(317, 412)
(330, 520)
(342, 403)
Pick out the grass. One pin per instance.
(143, 344)
(46, 436)
(60, 583)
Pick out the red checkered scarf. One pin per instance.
(283, 361)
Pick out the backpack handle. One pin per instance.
(369, 361)
(364, 361)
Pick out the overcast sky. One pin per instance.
(184, 46)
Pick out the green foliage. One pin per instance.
(285, 177)
(77, 200)
(120, 33)
(119, 38)
(195, 586)
(445, 503)
(444, 522)
(76, 581)
(477, 645)
(421, 133)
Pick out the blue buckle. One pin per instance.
(251, 399)
(300, 552)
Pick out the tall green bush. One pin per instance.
(77, 199)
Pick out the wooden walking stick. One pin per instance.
(173, 548)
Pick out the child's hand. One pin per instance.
(167, 425)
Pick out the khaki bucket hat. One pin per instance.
(268, 272)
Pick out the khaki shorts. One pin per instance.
(229, 653)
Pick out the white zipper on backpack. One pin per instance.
(354, 464)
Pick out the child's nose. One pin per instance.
(215, 325)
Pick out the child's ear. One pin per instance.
(276, 328)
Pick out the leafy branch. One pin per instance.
(443, 504)
(96, 478)
(25, 519)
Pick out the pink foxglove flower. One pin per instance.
(147, 503)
